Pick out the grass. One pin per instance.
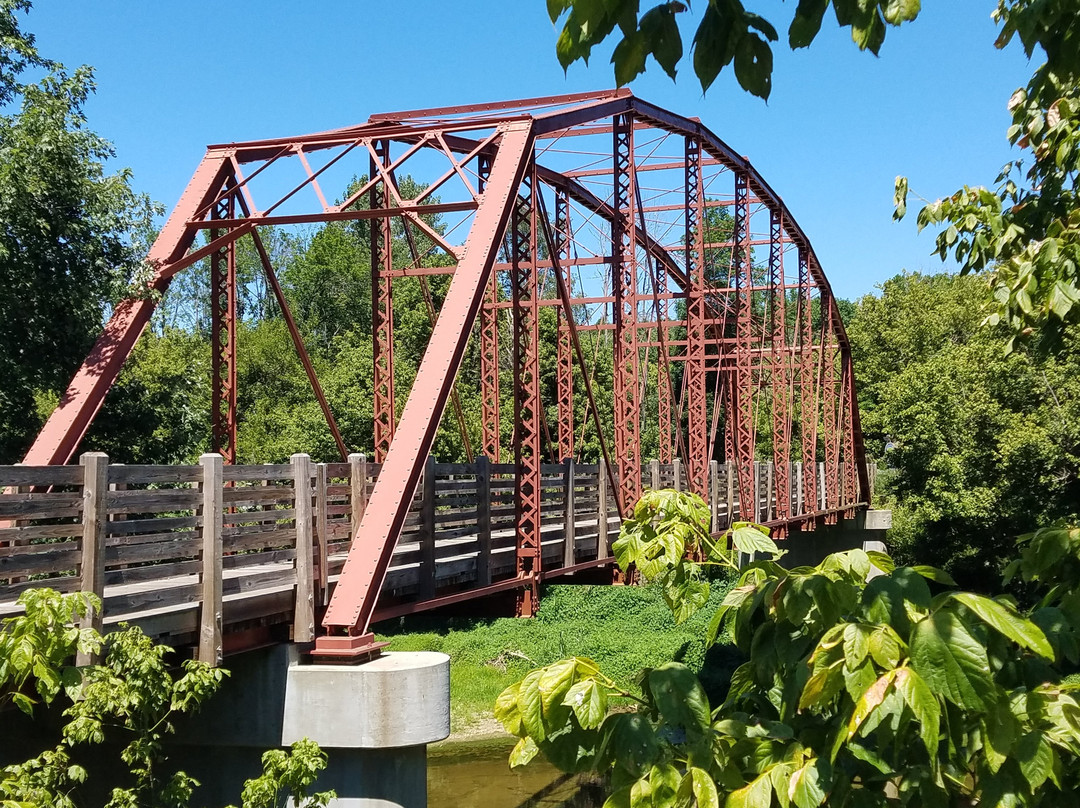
(623, 628)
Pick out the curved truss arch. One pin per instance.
(641, 228)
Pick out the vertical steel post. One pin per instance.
(624, 285)
(489, 350)
(525, 291)
(382, 310)
(808, 412)
(564, 348)
(744, 369)
(830, 408)
(223, 338)
(696, 224)
(781, 401)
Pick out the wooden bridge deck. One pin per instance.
(138, 537)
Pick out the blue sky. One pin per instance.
(173, 77)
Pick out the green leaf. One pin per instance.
(870, 699)
(885, 647)
(631, 741)
(1035, 758)
(524, 751)
(807, 22)
(554, 682)
(1008, 621)
(749, 539)
(714, 43)
(807, 788)
(506, 710)
(898, 11)
(662, 32)
(881, 561)
(704, 788)
(923, 704)
(629, 57)
(589, 702)
(679, 697)
(23, 702)
(753, 65)
(951, 661)
(934, 574)
(530, 705)
(756, 794)
(856, 645)
(664, 782)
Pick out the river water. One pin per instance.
(476, 775)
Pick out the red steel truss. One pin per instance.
(663, 252)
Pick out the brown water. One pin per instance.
(476, 775)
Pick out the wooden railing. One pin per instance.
(193, 553)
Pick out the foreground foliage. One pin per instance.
(132, 697)
(892, 690)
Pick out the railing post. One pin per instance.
(92, 566)
(729, 467)
(654, 475)
(357, 491)
(483, 520)
(570, 520)
(601, 510)
(821, 486)
(676, 473)
(800, 506)
(304, 613)
(714, 494)
(769, 477)
(213, 518)
(426, 584)
(321, 505)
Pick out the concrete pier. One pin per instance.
(374, 721)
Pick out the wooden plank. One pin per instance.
(569, 519)
(41, 506)
(92, 565)
(248, 495)
(40, 475)
(131, 527)
(151, 572)
(135, 475)
(427, 531)
(730, 469)
(159, 597)
(442, 469)
(213, 512)
(304, 611)
(39, 559)
(269, 471)
(358, 485)
(677, 474)
(337, 471)
(153, 500)
(27, 533)
(154, 551)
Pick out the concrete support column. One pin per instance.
(374, 721)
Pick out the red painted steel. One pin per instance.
(382, 305)
(619, 250)
(223, 293)
(525, 291)
(781, 381)
(624, 271)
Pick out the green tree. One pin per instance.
(981, 444)
(71, 234)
